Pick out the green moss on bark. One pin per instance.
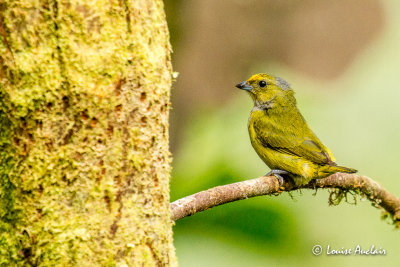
(84, 143)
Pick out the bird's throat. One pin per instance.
(265, 105)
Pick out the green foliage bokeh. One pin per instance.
(357, 117)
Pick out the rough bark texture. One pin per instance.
(84, 161)
(269, 185)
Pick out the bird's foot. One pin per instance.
(277, 173)
(314, 181)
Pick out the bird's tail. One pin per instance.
(328, 169)
(343, 169)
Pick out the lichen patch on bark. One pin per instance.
(84, 103)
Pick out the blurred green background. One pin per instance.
(343, 60)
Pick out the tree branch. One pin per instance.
(269, 185)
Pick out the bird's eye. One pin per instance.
(262, 83)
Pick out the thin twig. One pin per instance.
(268, 185)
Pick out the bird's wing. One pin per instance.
(293, 137)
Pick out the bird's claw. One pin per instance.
(277, 174)
(280, 179)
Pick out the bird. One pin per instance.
(281, 136)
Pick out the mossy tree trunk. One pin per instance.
(84, 161)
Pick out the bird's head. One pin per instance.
(266, 89)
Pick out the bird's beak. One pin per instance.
(244, 86)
